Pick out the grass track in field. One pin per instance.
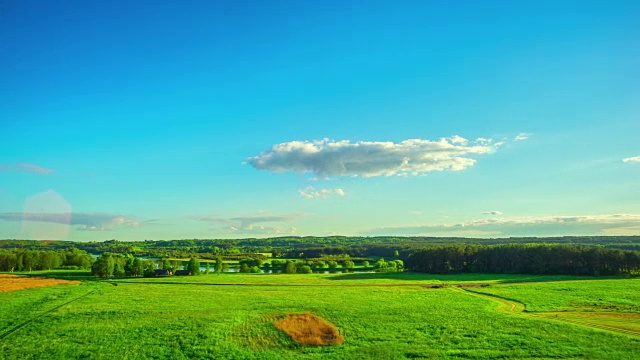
(611, 305)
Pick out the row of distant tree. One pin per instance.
(524, 259)
(29, 260)
(120, 265)
(438, 259)
(308, 266)
(303, 247)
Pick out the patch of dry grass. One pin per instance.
(15, 282)
(309, 329)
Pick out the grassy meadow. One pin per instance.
(381, 316)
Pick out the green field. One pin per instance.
(382, 316)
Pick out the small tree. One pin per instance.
(149, 268)
(365, 263)
(219, 265)
(128, 265)
(399, 265)
(244, 268)
(392, 266)
(176, 265)
(118, 269)
(104, 265)
(166, 264)
(207, 268)
(380, 265)
(332, 264)
(290, 268)
(305, 269)
(137, 269)
(194, 266)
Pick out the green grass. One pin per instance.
(621, 295)
(16, 307)
(356, 279)
(178, 321)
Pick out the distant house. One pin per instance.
(182, 272)
(162, 272)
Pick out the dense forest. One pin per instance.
(524, 259)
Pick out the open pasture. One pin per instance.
(182, 320)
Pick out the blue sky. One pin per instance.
(201, 119)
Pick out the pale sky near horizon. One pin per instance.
(232, 119)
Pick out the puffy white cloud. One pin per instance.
(632, 159)
(493, 212)
(525, 226)
(521, 137)
(82, 221)
(327, 158)
(253, 224)
(311, 193)
(28, 168)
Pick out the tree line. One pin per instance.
(29, 260)
(524, 259)
(119, 265)
(304, 247)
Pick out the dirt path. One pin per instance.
(514, 307)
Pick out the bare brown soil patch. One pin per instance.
(15, 282)
(309, 329)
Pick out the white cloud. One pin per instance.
(311, 193)
(525, 226)
(82, 221)
(493, 212)
(253, 224)
(632, 159)
(521, 137)
(456, 139)
(327, 158)
(28, 168)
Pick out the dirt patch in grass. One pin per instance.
(472, 285)
(440, 286)
(15, 282)
(309, 329)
